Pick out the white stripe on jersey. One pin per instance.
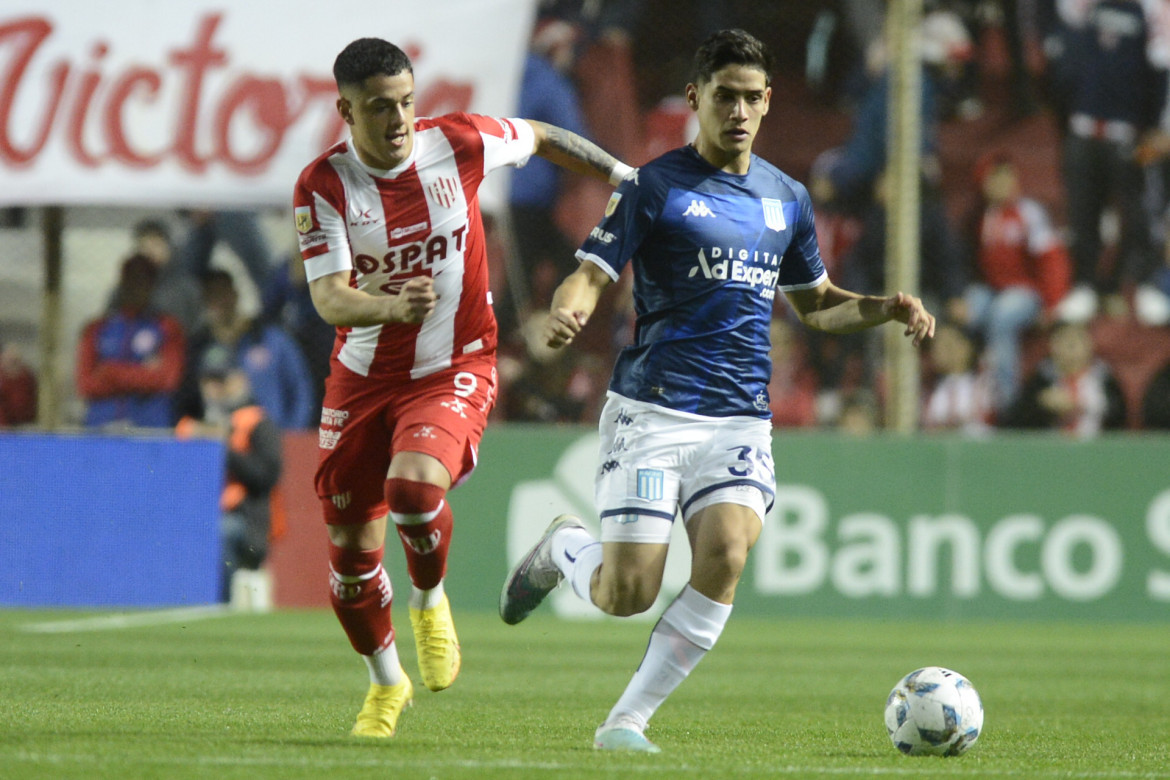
(438, 172)
(364, 204)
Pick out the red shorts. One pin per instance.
(365, 423)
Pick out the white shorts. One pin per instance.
(656, 462)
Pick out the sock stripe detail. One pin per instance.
(416, 518)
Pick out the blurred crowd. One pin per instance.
(1049, 268)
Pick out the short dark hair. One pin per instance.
(367, 57)
(731, 47)
(152, 227)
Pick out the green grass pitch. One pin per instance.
(239, 696)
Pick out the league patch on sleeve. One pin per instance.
(303, 219)
(611, 207)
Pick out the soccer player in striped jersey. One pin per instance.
(712, 232)
(393, 243)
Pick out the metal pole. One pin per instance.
(48, 394)
(902, 205)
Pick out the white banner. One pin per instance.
(149, 102)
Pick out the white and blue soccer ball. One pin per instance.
(934, 712)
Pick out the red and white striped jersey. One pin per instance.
(419, 219)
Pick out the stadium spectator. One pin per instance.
(177, 291)
(543, 251)
(130, 361)
(1072, 390)
(686, 423)
(1021, 270)
(792, 390)
(414, 378)
(253, 471)
(1156, 401)
(860, 412)
(240, 230)
(18, 388)
(943, 274)
(1113, 83)
(277, 373)
(960, 398)
(862, 159)
(285, 301)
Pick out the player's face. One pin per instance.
(729, 108)
(380, 114)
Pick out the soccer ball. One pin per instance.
(934, 712)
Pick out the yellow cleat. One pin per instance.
(438, 647)
(384, 703)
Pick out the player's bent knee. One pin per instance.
(724, 561)
(625, 596)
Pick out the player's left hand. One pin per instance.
(908, 309)
(562, 326)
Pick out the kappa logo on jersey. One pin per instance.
(341, 500)
(698, 208)
(444, 191)
(303, 219)
(425, 432)
(774, 214)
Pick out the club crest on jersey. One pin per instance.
(303, 218)
(650, 484)
(774, 214)
(611, 207)
(443, 191)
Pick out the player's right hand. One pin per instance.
(415, 301)
(562, 326)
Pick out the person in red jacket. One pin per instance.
(18, 388)
(1022, 271)
(130, 361)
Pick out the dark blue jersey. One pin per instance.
(709, 250)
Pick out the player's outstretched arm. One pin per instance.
(829, 308)
(573, 302)
(346, 307)
(571, 151)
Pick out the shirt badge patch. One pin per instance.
(611, 207)
(774, 214)
(303, 217)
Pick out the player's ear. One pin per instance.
(767, 100)
(693, 97)
(345, 108)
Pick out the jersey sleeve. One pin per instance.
(801, 267)
(319, 217)
(505, 141)
(628, 219)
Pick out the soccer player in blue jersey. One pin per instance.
(712, 231)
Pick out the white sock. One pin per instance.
(686, 631)
(384, 666)
(578, 568)
(426, 599)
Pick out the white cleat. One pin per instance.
(535, 576)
